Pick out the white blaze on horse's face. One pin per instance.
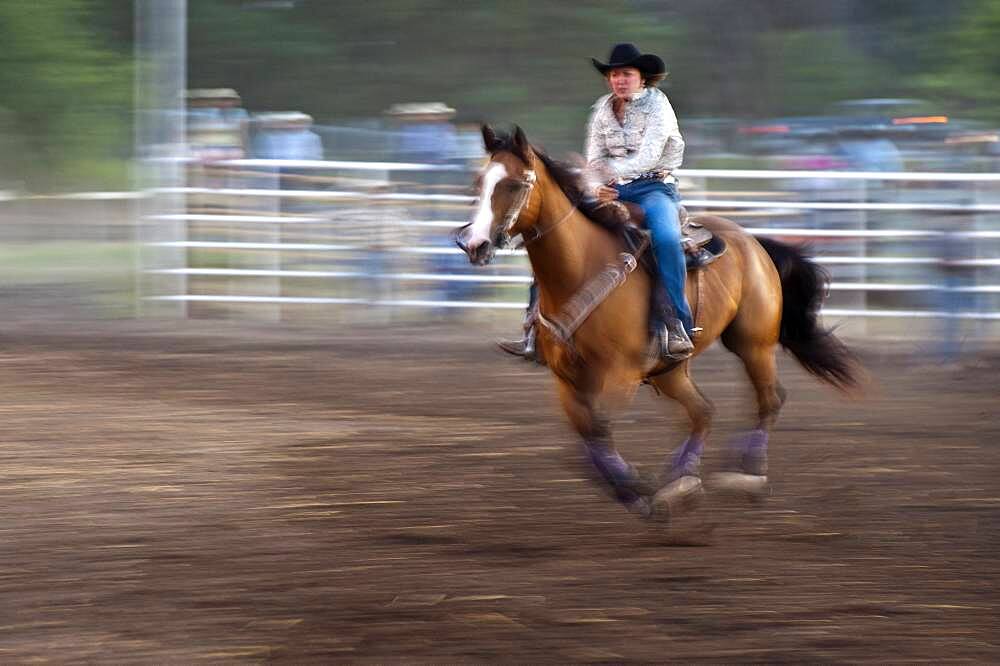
(482, 223)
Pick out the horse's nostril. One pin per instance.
(483, 250)
(460, 236)
(478, 250)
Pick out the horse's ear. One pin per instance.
(490, 140)
(521, 146)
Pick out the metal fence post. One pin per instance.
(160, 146)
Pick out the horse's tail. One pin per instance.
(803, 288)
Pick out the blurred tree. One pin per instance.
(66, 74)
(66, 97)
(527, 62)
(489, 61)
(967, 62)
(804, 85)
(774, 57)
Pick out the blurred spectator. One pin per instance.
(972, 150)
(817, 151)
(425, 132)
(869, 151)
(216, 124)
(286, 136)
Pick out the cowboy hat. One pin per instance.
(421, 109)
(627, 55)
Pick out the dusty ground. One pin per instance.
(210, 493)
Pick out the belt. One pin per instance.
(650, 175)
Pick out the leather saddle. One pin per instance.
(701, 246)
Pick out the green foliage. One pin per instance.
(66, 97)
(808, 84)
(969, 69)
(527, 62)
(66, 70)
(492, 62)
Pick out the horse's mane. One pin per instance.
(568, 179)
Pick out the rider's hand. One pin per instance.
(606, 193)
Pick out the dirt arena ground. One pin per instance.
(213, 492)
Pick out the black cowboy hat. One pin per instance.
(627, 55)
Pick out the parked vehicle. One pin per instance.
(882, 134)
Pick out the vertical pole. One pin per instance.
(978, 303)
(160, 147)
(862, 275)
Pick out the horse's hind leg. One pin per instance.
(594, 428)
(749, 451)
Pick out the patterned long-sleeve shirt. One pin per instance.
(647, 140)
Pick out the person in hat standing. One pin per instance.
(633, 146)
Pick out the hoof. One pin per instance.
(640, 507)
(753, 486)
(677, 497)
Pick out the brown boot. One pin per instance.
(525, 347)
(674, 343)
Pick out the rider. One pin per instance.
(633, 146)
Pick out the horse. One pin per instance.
(758, 294)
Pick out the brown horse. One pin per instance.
(758, 294)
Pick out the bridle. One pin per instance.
(527, 184)
(514, 212)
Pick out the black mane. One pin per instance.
(568, 178)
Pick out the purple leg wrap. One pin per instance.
(686, 459)
(753, 442)
(612, 467)
(750, 450)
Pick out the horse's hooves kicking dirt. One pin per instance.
(641, 507)
(677, 497)
(692, 528)
(750, 486)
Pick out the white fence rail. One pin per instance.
(283, 224)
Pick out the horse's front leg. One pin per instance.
(683, 485)
(621, 478)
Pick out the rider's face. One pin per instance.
(625, 82)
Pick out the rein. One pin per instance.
(535, 234)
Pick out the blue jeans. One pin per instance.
(660, 202)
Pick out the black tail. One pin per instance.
(803, 288)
